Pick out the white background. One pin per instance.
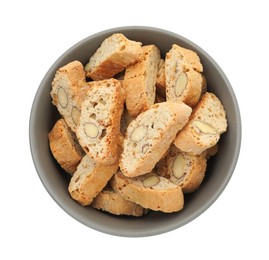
(35, 33)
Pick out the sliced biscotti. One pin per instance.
(89, 179)
(207, 122)
(110, 201)
(150, 191)
(184, 81)
(113, 56)
(186, 87)
(160, 82)
(99, 128)
(64, 146)
(149, 136)
(68, 81)
(188, 57)
(140, 80)
(184, 169)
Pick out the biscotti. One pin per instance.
(99, 128)
(184, 169)
(149, 136)
(212, 151)
(68, 82)
(89, 179)
(140, 80)
(142, 124)
(64, 146)
(114, 55)
(207, 122)
(187, 87)
(110, 201)
(150, 191)
(183, 78)
(188, 57)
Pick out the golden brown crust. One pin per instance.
(64, 147)
(73, 72)
(181, 62)
(188, 140)
(140, 80)
(70, 79)
(193, 91)
(194, 170)
(104, 65)
(192, 181)
(190, 57)
(89, 179)
(110, 201)
(210, 111)
(106, 106)
(165, 196)
(204, 85)
(108, 69)
(136, 100)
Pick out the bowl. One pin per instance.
(220, 168)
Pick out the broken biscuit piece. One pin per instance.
(150, 191)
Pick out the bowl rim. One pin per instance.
(95, 226)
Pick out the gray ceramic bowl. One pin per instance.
(220, 168)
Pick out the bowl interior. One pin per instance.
(220, 167)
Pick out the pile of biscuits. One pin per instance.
(136, 130)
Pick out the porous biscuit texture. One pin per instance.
(149, 136)
(89, 179)
(66, 84)
(207, 122)
(140, 81)
(99, 126)
(113, 56)
(163, 196)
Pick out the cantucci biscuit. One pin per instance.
(140, 80)
(184, 169)
(147, 126)
(149, 136)
(64, 146)
(99, 126)
(207, 122)
(68, 86)
(113, 56)
(184, 81)
(150, 191)
(89, 179)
